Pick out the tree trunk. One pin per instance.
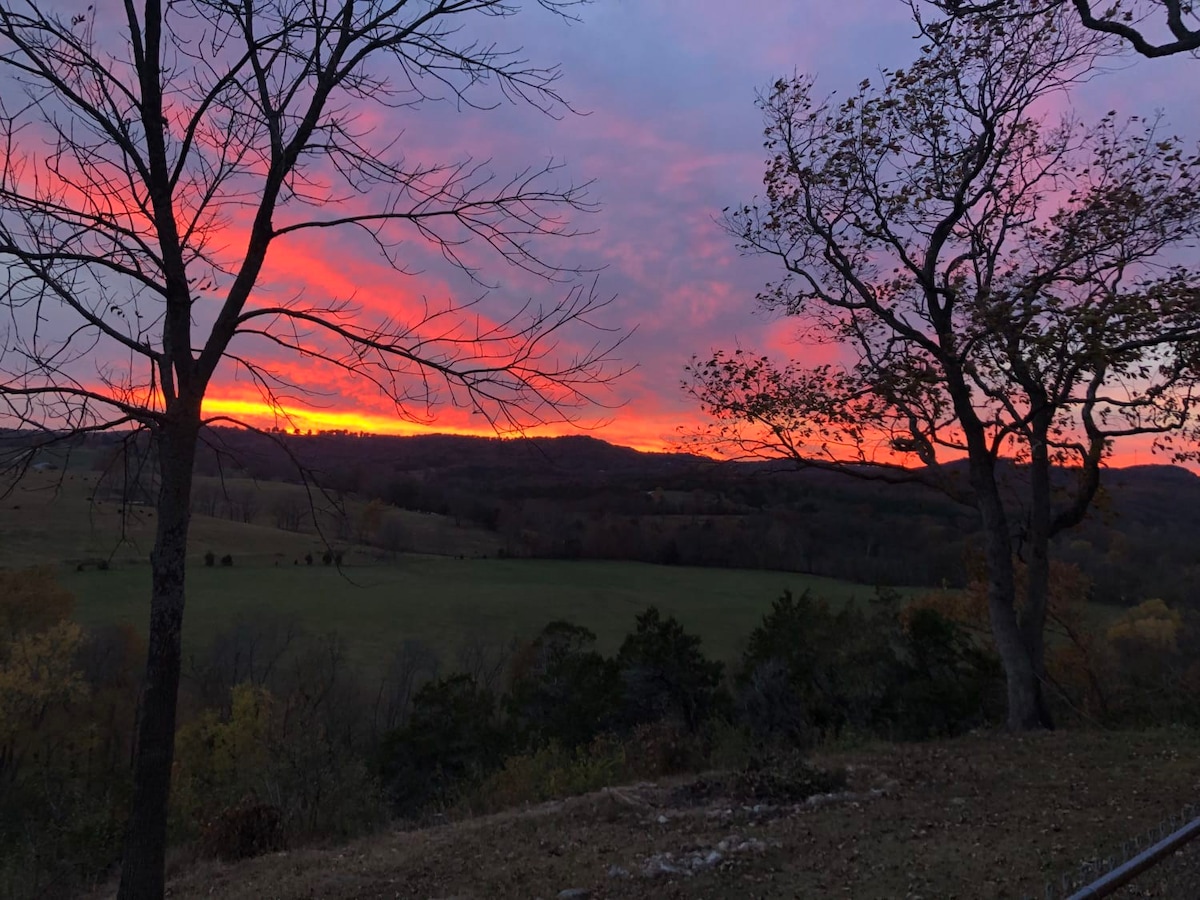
(1033, 615)
(1025, 705)
(142, 866)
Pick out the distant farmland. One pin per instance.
(380, 599)
(446, 601)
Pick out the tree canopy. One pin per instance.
(156, 155)
(980, 279)
(1153, 28)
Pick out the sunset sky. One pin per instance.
(670, 135)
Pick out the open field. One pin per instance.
(379, 599)
(62, 518)
(444, 600)
(985, 816)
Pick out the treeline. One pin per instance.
(283, 740)
(582, 498)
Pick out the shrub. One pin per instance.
(1156, 650)
(664, 747)
(452, 740)
(551, 772)
(784, 777)
(948, 683)
(664, 674)
(809, 672)
(227, 560)
(210, 559)
(562, 690)
(243, 831)
(768, 702)
(839, 667)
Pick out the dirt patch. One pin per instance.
(988, 816)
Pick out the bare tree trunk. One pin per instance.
(1033, 615)
(1025, 705)
(142, 866)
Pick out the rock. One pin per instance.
(574, 894)
(618, 872)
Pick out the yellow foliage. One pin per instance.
(38, 644)
(1151, 625)
(37, 673)
(1077, 661)
(219, 761)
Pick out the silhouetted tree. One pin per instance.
(151, 163)
(1153, 28)
(1000, 287)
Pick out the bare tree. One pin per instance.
(290, 511)
(1005, 293)
(412, 664)
(1152, 28)
(150, 163)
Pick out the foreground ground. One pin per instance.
(983, 816)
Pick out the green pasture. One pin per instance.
(445, 601)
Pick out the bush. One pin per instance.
(243, 831)
(562, 690)
(210, 559)
(809, 672)
(664, 674)
(451, 742)
(948, 685)
(665, 747)
(553, 771)
(1156, 649)
(784, 777)
(839, 667)
(63, 756)
(227, 560)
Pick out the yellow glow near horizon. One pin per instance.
(261, 415)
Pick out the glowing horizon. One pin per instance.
(258, 414)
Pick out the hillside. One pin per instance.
(986, 816)
(579, 497)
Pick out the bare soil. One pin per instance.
(986, 816)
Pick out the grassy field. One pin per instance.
(379, 599)
(445, 601)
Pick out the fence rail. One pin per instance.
(1103, 878)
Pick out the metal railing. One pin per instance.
(1104, 877)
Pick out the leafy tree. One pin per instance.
(665, 674)
(563, 690)
(894, 671)
(1131, 21)
(452, 737)
(1006, 293)
(808, 669)
(155, 159)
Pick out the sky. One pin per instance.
(666, 132)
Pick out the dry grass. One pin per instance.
(987, 816)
